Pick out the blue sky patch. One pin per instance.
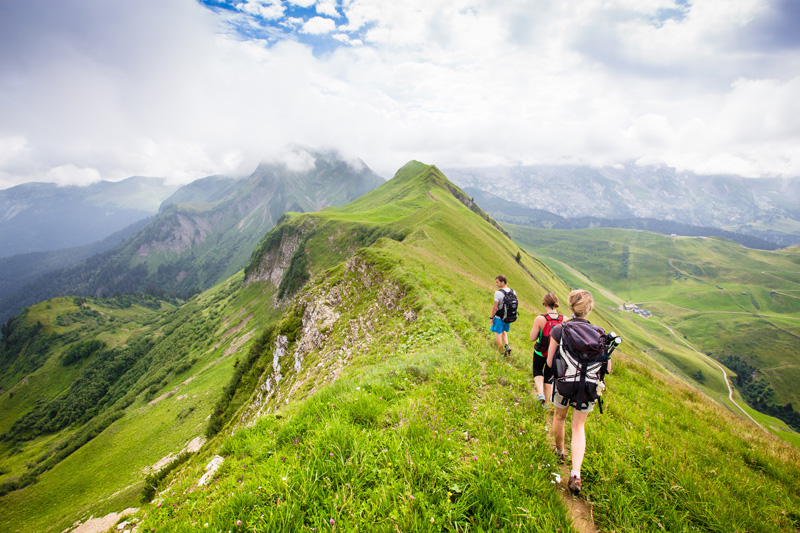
(273, 22)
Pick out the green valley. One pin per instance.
(347, 380)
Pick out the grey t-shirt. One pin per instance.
(498, 297)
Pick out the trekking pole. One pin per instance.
(614, 340)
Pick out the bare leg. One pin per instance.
(559, 417)
(548, 391)
(539, 382)
(578, 449)
(500, 345)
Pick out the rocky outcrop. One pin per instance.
(277, 256)
(338, 322)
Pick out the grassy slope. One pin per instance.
(674, 353)
(106, 474)
(699, 287)
(426, 428)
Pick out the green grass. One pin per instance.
(357, 449)
(113, 462)
(391, 409)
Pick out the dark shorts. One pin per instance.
(540, 368)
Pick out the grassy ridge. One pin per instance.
(426, 428)
(381, 402)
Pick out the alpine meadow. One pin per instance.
(346, 380)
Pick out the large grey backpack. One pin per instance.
(580, 362)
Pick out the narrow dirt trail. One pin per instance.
(724, 375)
(579, 509)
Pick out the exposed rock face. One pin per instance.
(185, 232)
(275, 262)
(337, 323)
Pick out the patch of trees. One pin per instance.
(108, 385)
(625, 262)
(297, 274)
(244, 377)
(23, 345)
(758, 392)
(153, 481)
(83, 400)
(83, 350)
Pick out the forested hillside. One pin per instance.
(41, 217)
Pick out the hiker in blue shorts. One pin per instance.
(499, 327)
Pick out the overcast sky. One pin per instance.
(107, 89)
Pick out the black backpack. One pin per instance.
(508, 313)
(581, 362)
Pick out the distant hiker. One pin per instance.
(584, 340)
(540, 334)
(504, 312)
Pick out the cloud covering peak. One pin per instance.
(93, 89)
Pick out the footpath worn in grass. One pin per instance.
(369, 396)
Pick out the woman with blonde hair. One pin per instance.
(540, 334)
(581, 304)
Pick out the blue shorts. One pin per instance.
(498, 326)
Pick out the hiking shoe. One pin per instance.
(574, 484)
(541, 399)
(561, 458)
(508, 350)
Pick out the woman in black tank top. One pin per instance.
(540, 334)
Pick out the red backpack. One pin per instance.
(543, 342)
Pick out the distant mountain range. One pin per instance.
(40, 217)
(514, 213)
(766, 208)
(204, 232)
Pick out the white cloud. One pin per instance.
(297, 160)
(72, 175)
(327, 8)
(268, 9)
(449, 82)
(345, 38)
(319, 26)
(11, 148)
(303, 3)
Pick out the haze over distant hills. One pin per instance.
(205, 232)
(39, 217)
(767, 208)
